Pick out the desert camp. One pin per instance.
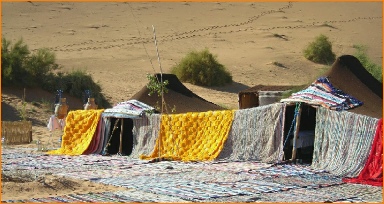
(284, 130)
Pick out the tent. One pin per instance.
(178, 97)
(116, 119)
(361, 91)
(117, 125)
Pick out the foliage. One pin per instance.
(75, 83)
(160, 88)
(156, 86)
(202, 68)
(22, 68)
(371, 67)
(320, 51)
(12, 58)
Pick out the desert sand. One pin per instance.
(114, 43)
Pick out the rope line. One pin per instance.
(297, 108)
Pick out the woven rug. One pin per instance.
(122, 172)
(63, 163)
(339, 193)
(131, 109)
(322, 92)
(284, 170)
(342, 141)
(305, 195)
(121, 196)
(309, 181)
(187, 190)
(257, 186)
(233, 166)
(256, 135)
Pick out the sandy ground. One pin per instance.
(114, 43)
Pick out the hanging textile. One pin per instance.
(79, 131)
(193, 136)
(372, 173)
(342, 141)
(256, 134)
(145, 131)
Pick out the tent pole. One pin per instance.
(296, 134)
(121, 138)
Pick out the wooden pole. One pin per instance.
(121, 138)
(296, 134)
(161, 82)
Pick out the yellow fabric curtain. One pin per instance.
(194, 136)
(79, 130)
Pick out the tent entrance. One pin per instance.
(120, 142)
(304, 128)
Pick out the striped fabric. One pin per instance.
(145, 132)
(321, 92)
(342, 141)
(128, 109)
(256, 134)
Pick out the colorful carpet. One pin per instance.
(121, 197)
(233, 166)
(322, 92)
(187, 190)
(284, 170)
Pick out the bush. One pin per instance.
(78, 81)
(372, 68)
(20, 67)
(75, 83)
(12, 62)
(202, 68)
(320, 51)
(40, 64)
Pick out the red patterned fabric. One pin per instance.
(372, 173)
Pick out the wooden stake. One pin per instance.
(296, 134)
(121, 138)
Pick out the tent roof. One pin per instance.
(178, 97)
(348, 74)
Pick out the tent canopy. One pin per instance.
(179, 97)
(348, 75)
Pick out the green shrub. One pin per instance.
(320, 51)
(20, 67)
(374, 69)
(202, 68)
(12, 62)
(78, 81)
(39, 64)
